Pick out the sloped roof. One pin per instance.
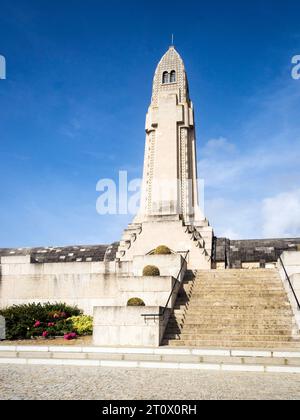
(248, 251)
(84, 253)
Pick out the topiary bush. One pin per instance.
(37, 320)
(135, 302)
(151, 271)
(82, 324)
(162, 250)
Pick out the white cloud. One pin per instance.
(220, 169)
(216, 146)
(234, 220)
(281, 215)
(252, 179)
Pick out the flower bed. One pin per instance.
(47, 321)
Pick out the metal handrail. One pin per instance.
(161, 315)
(290, 283)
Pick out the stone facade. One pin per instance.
(170, 167)
(86, 284)
(170, 213)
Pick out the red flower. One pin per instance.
(51, 324)
(45, 334)
(37, 324)
(70, 336)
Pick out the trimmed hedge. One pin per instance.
(151, 271)
(162, 250)
(135, 302)
(37, 320)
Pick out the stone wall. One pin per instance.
(82, 284)
(87, 284)
(119, 326)
(291, 261)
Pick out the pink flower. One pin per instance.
(70, 336)
(51, 324)
(45, 334)
(37, 324)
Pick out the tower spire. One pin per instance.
(172, 42)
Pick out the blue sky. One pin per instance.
(72, 111)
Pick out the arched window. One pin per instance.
(173, 76)
(165, 78)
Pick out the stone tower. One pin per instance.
(169, 213)
(170, 167)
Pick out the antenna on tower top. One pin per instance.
(172, 43)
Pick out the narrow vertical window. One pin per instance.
(173, 76)
(165, 78)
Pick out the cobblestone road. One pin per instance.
(38, 382)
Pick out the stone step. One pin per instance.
(226, 300)
(237, 316)
(233, 306)
(210, 329)
(266, 297)
(232, 325)
(197, 320)
(237, 280)
(223, 274)
(198, 287)
(242, 360)
(233, 344)
(229, 310)
(234, 302)
(240, 326)
(237, 271)
(237, 286)
(238, 334)
(251, 276)
(238, 290)
(247, 335)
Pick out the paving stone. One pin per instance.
(94, 383)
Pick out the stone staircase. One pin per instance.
(129, 236)
(195, 233)
(233, 309)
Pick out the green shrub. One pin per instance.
(82, 325)
(162, 250)
(26, 321)
(135, 302)
(151, 271)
